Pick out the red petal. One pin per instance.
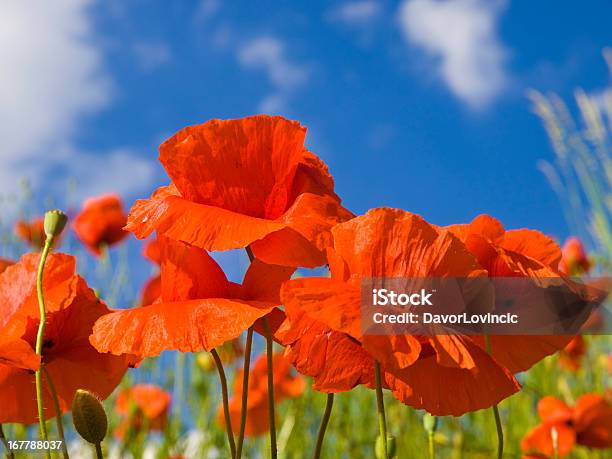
(186, 326)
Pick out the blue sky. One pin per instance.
(414, 104)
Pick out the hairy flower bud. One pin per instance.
(55, 221)
(89, 417)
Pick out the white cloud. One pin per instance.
(120, 170)
(461, 35)
(151, 55)
(206, 9)
(52, 76)
(269, 55)
(356, 13)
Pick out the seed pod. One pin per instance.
(55, 221)
(89, 417)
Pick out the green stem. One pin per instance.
(9, 452)
(324, 421)
(179, 389)
(380, 405)
(498, 424)
(270, 359)
(99, 451)
(40, 339)
(58, 412)
(432, 447)
(245, 390)
(224, 394)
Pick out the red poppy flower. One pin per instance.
(514, 253)
(72, 308)
(574, 261)
(244, 182)
(571, 355)
(101, 222)
(32, 232)
(389, 243)
(199, 308)
(588, 423)
(286, 386)
(5, 263)
(140, 405)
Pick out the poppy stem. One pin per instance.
(245, 390)
(226, 412)
(269, 351)
(58, 412)
(9, 451)
(498, 424)
(99, 454)
(324, 421)
(40, 338)
(380, 404)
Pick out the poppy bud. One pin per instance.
(55, 221)
(391, 447)
(89, 417)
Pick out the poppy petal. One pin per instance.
(534, 244)
(472, 389)
(593, 421)
(539, 439)
(551, 409)
(519, 353)
(186, 326)
(336, 362)
(329, 301)
(307, 235)
(188, 272)
(263, 281)
(208, 227)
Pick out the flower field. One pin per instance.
(275, 363)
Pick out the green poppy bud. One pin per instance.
(55, 221)
(89, 417)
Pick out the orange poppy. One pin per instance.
(199, 308)
(574, 260)
(100, 223)
(140, 405)
(5, 263)
(286, 386)
(244, 182)
(514, 253)
(72, 308)
(588, 423)
(571, 355)
(32, 232)
(390, 243)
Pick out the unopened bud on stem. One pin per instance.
(89, 417)
(55, 221)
